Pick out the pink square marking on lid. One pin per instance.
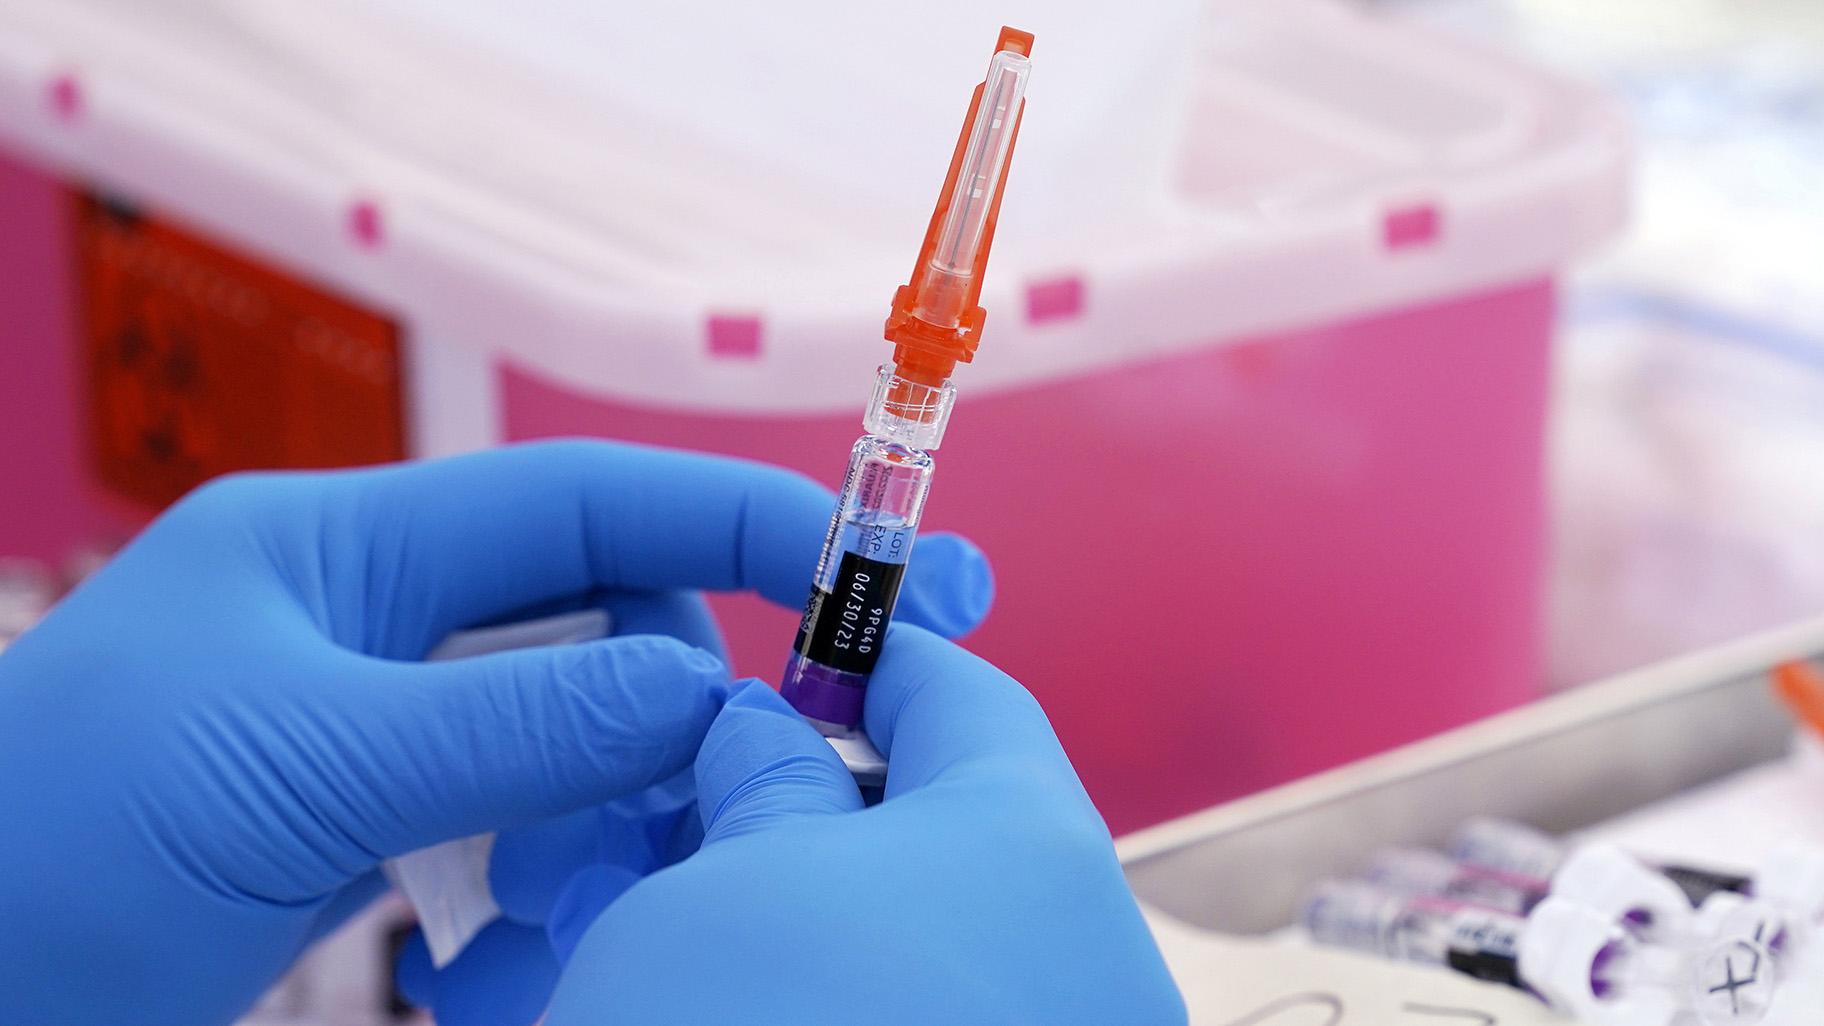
(65, 94)
(1054, 299)
(734, 337)
(365, 224)
(1416, 225)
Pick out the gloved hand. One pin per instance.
(207, 749)
(551, 878)
(983, 889)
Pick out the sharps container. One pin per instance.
(1280, 295)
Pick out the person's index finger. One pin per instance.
(938, 711)
(669, 519)
(719, 523)
(478, 537)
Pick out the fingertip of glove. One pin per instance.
(756, 694)
(505, 975)
(528, 865)
(581, 902)
(635, 656)
(690, 657)
(413, 973)
(952, 584)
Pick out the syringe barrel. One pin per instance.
(865, 554)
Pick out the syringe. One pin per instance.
(935, 324)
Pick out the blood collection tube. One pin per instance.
(1423, 928)
(1419, 871)
(1601, 877)
(1789, 878)
(1515, 848)
(1507, 846)
(935, 324)
(1574, 959)
(1585, 965)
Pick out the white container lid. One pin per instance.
(1324, 164)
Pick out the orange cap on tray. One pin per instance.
(1802, 689)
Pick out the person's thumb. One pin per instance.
(762, 763)
(449, 749)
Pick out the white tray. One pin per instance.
(1564, 763)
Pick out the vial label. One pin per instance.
(1485, 944)
(844, 626)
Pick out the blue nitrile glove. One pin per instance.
(983, 889)
(209, 747)
(555, 875)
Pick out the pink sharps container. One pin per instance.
(1258, 468)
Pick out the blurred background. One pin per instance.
(1352, 369)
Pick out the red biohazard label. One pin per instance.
(202, 361)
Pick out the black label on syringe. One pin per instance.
(843, 627)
